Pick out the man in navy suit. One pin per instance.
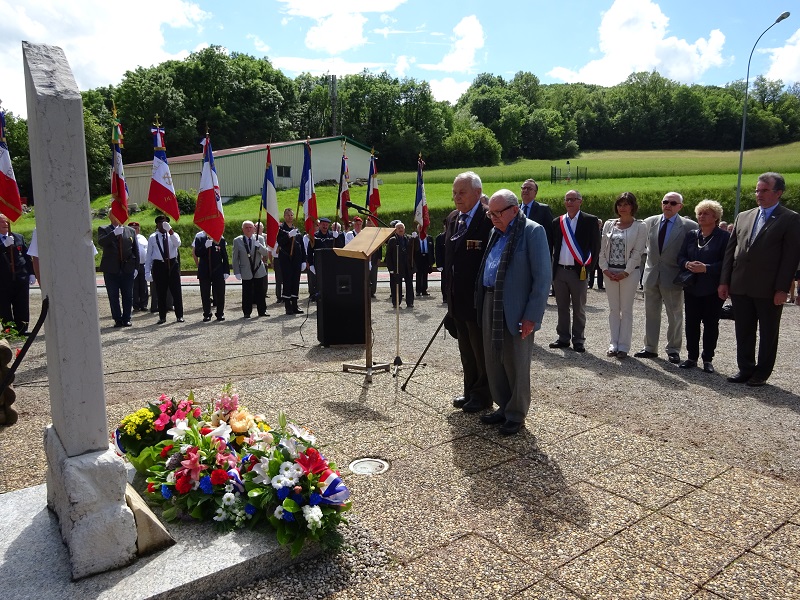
(16, 277)
(576, 246)
(423, 261)
(536, 211)
(760, 260)
(510, 314)
(466, 233)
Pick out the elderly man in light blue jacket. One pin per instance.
(511, 295)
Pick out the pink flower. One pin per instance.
(161, 422)
(192, 464)
(197, 412)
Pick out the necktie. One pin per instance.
(166, 251)
(461, 229)
(662, 234)
(527, 210)
(759, 224)
(249, 246)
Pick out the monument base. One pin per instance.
(87, 494)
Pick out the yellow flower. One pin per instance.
(240, 421)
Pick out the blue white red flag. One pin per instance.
(373, 194)
(269, 201)
(344, 194)
(208, 214)
(119, 189)
(308, 197)
(10, 201)
(162, 191)
(421, 216)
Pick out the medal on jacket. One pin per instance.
(583, 273)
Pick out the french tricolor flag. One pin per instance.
(269, 201)
(162, 191)
(208, 214)
(10, 202)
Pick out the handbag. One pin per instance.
(685, 278)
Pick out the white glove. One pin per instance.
(303, 266)
(165, 227)
(209, 243)
(414, 235)
(293, 232)
(335, 234)
(257, 243)
(239, 276)
(135, 273)
(9, 241)
(148, 277)
(118, 230)
(225, 277)
(31, 279)
(312, 269)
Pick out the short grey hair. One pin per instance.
(472, 177)
(507, 195)
(711, 205)
(679, 196)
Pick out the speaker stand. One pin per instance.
(370, 367)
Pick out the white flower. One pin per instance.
(278, 512)
(279, 481)
(262, 471)
(223, 431)
(220, 516)
(313, 516)
(291, 471)
(179, 431)
(171, 477)
(228, 499)
(302, 433)
(293, 446)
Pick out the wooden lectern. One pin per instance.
(362, 247)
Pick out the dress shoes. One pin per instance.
(645, 354)
(127, 324)
(688, 364)
(263, 314)
(460, 401)
(559, 344)
(475, 405)
(756, 382)
(510, 428)
(739, 378)
(493, 418)
(161, 321)
(674, 358)
(206, 319)
(622, 354)
(180, 320)
(611, 353)
(578, 348)
(708, 368)
(118, 324)
(221, 318)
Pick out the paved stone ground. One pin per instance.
(633, 479)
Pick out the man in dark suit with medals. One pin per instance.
(213, 269)
(119, 264)
(398, 262)
(292, 259)
(576, 245)
(466, 232)
(760, 260)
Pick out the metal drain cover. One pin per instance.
(368, 466)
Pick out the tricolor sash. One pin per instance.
(572, 245)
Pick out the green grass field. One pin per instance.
(696, 174)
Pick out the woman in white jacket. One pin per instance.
(621, 247)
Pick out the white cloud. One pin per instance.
(319, 66)
(467, 39)
(448, 89)
(633, 37)
(100, 39)
(337, 33)
(258, 43)
(403, 64)
(387, 31)
(786, 61)
(321, 9)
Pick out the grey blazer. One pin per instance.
(662, 267)
(242, 264)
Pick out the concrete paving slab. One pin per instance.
(782, 547)
(752, 576)
(648, 488)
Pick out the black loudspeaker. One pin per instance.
(340, 305)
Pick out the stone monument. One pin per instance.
(86, 481)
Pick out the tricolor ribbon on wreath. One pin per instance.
(572, 245)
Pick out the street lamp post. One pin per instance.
(783, 16)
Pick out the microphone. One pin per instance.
(357, 207)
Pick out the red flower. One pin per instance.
(151, 488)
(206, 430)
(166, 450)
(312, 461)
(183, 485)
(219, 477)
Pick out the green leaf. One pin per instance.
(291, 505)
(254, 493)
(282, 419)
(170, 514)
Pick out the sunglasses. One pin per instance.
(670, 202)
(496, 215)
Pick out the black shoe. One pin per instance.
(161, 321)
(756, 382)
(739, 378)
(460, 401)
(559, 344)
(645, 354)
(708, 367)
(493, 418)
(601, 287)
(510, 428)
(245, 316)
(474, 405)
(179, 320)
(425, 294)
(688, 364)
(221, 318)
(127, 324)
(674, 358)
(578, 347)
(206, 319)
(118, 324)
(263, 314)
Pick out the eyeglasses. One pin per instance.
(670, 202)
(496, 215)
(764, 190)
(526, 188)
(572, 199)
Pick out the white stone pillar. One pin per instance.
(85, 480)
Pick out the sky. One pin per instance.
(444, 42)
